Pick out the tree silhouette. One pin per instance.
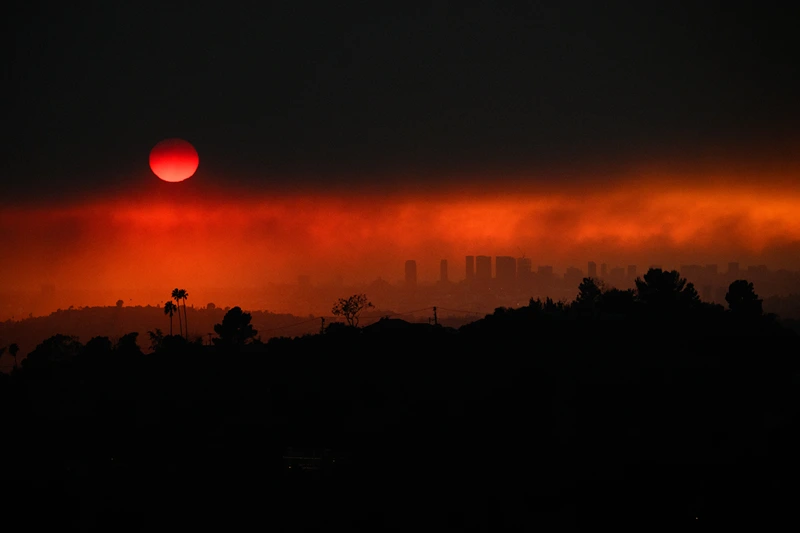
(176, 295)
(156, 339)
(120, 303)
(235, 329)
(351, 308)
(666, 290)
(589, 294)
(618, 302)
(127, 345)
(53, 350)
(13, 349)
(743, 300)
(169, 309)
(184, 294)
(96, 352)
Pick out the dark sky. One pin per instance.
(314, 94)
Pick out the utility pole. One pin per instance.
(322, 325)
(435, 319)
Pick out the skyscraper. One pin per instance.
(545, 271)
(592, 270)
(443, 271)
(470, 267)
(483, 268)
(691, 272)
(523, 269)
(757, 272)
(411, 272)
(506, 271)
(573, 276)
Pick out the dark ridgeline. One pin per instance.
(623, 407)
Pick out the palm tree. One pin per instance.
(169, 309)
(176, 295)
(185, 294)
(13, 350)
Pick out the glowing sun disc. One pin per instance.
(174, 160)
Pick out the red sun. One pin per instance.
(174, 160)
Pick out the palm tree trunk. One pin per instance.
(170, 324)
(180, 323)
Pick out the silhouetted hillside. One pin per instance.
(620, 408)
(113, 322)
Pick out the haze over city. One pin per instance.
(562, 139)
(144, 242)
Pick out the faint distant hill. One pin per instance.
(113, 322)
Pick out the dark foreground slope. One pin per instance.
(513, 423)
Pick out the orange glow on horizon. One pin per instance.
(228, 242)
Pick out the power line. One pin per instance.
(461, 311)
(330, 317)
(295, 324)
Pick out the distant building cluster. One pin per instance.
(505, 274)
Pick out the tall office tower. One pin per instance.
(592, 271)
(733, 269)
(443, 270)
(574, 272)
(506, 271)
(523, 267)
(632, 271)
(757, 272)
(470, 267)
(483, 268)
(603, 270)
(545, 271)
(711, 270)
(573, 276)
(691, 272)
(411, 272)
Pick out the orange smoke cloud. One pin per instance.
(217, 242)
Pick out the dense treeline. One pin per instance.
(646, 408)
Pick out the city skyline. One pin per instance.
(309, 294)
(525, 265)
